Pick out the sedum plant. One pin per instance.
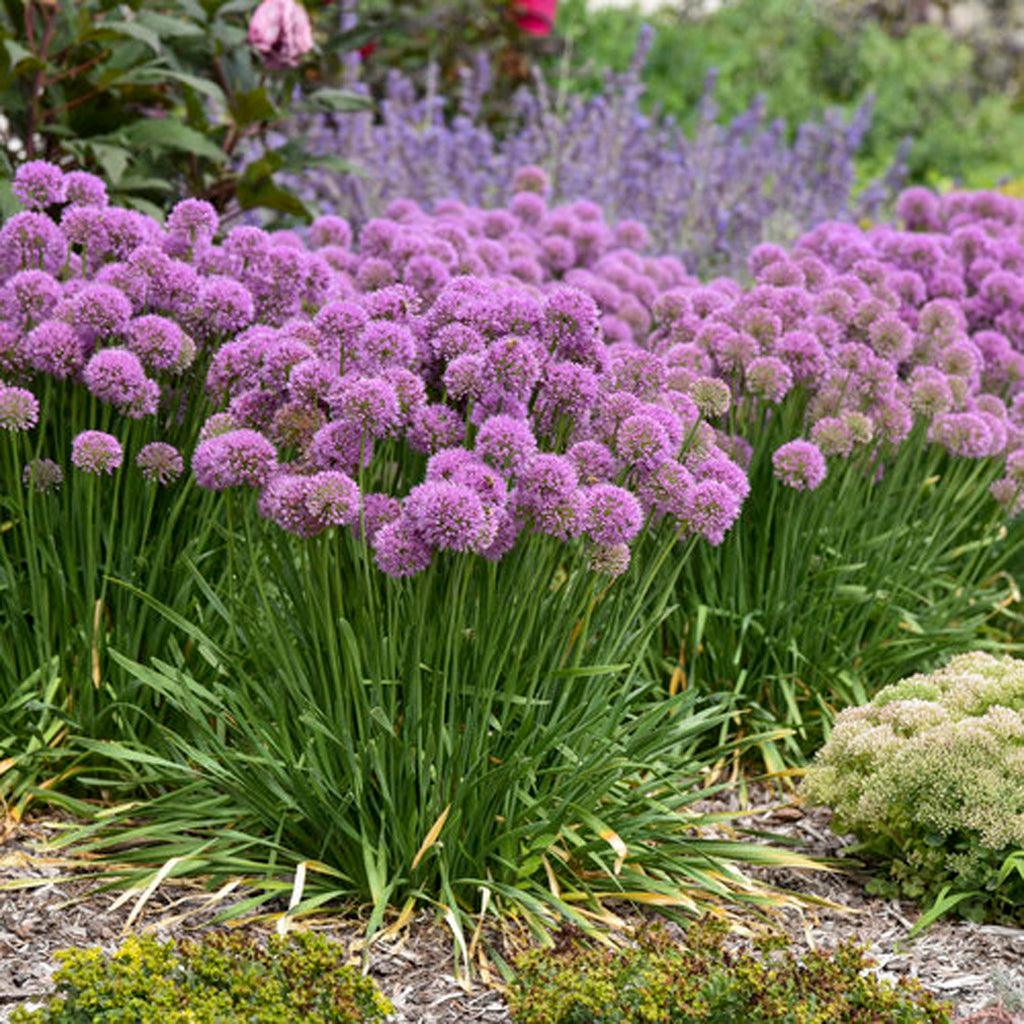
(695, 980)
(930, 776)
(218, 979)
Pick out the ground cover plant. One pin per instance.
(930, 776)
(218, 979)
(695, 980)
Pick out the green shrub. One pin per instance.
(659, 982)
(930, 776)
(161, 98)
(804, 56)
(221, 979)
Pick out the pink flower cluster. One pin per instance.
(453, 380)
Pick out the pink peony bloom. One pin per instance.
(280, 33)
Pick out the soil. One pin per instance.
(49, 903)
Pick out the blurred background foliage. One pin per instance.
(951, 76)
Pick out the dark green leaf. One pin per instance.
(337, 101)
(113, 159)
(132, 30)
(167, 133)
(157, 76)
(272, 197)
(17, 54)
(252, 106)
(168, 26)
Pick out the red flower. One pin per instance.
(536, 17)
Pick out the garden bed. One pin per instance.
(42, 911)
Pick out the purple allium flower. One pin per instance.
(234, 459)
(642, 441)
(613, 515)
(464, 377)
(531, 178)
(667, 488)
(410, 391)
(930, 393)
(378, 511)
(506, 443)
(85, 189)
(399, 549)
(718, 466)
(330, 230)
(42, 475)
(31, 241)
(570, 324)
(832, 434)
(284, 502)
(157, 341)
(528, 207)
(341, 444)
(965, 434)
(384, 343)
(332, 498)
(545, 482)
(709, 509)
(456, 339)
(116, 376)
(35, 294)
(448, 516)
(803, 353)
(160, 463)
(370, 402)
(593, 461)
(433, 427)
(511, 366)
(799, 464)
(193, 219)
(569, 390)
(711, 396)
(100, 309)
(891, 338)
(769, 378)
(224, 306)
(609, 559)
(94, 451)
(54, 348)
(1009, 494)
(217, 424)
(39, 184)
(19, 409)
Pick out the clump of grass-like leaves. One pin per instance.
(475, 737)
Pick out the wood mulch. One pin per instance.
(46, 905)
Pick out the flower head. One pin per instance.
(800, 465)
(94, 451)
(42, 475)
(236, 458)
(19, 409)
(160, 463)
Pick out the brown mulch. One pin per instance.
(972, 966)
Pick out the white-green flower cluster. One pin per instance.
(935, 758)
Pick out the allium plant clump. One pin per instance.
(930, 776)
(437, 500)
(870, 384)
(448, 479)
(720, 190)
